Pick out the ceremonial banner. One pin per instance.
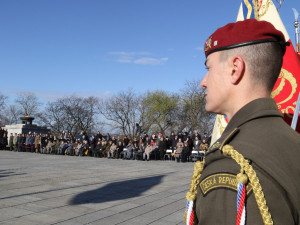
(287, 87)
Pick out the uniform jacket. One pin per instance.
(258, 132)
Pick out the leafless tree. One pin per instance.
(3, 101)
(28, 103)
(123, 112)
(12, 114)
(74, 114)
(193, 114)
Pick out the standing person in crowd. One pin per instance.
(125, 140)
(180, 135)
(174, 142)
(99, 135)
(37, 141)
(92, 145)
(172, 136)
(207, 138)
(196, 134)
(11, 142)
(168, 142)
(148, 140)
(114, 140)
(96, 152)
(186, 152)
(31, 142)
(162, 148)
(15, 142)
(27, 143)
(196, 144)
(257, 150)
(43, 141)
(20, 142)
(185, 137)
(153, 138)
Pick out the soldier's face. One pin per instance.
(214, 83)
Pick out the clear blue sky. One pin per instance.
(56, 48)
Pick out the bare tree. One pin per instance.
(193, 114)
(74, 114)
(12, 114)
(3, 101)
(123, 112)
(28, 103)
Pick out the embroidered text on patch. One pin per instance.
(220, 180)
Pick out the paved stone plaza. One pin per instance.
(69, 190)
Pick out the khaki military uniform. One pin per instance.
(258, 132)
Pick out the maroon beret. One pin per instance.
(242, 33)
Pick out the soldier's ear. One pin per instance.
(237, 69)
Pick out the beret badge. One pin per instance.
(207, 44)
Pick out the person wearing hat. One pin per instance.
(251, 174)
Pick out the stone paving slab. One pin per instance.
(64, 190)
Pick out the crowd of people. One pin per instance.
(144, 147)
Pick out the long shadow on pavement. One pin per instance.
(5, 173)
(117, 190)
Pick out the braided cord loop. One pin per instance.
(257, 189)
(192, 193)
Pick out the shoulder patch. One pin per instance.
(220, 180)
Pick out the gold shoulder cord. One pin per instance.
(249, 171)
(192, 193)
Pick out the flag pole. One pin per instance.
(296, 25)
(296, 114)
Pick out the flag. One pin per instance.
(287, 87)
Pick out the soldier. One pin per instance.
(258, 151)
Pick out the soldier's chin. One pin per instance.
(210, 109)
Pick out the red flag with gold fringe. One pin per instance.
(287, 87)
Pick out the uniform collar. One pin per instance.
(258, 108)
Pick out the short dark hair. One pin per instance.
(264, 61)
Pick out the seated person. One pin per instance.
(135, 149)
(120, 148)
(149, 148)
(112, 151)
(140, 152)
(203, 146)
(83, 151)
(179, 148)
(128, 152)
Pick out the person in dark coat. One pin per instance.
(162, 147)
(186, 152)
